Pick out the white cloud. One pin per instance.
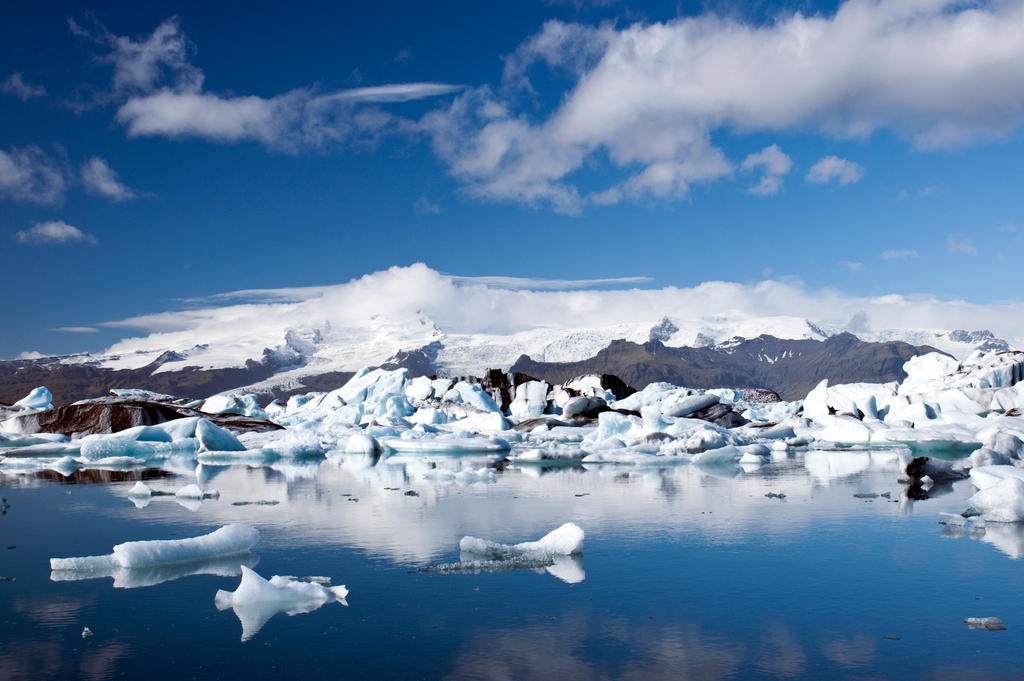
(776, 166)
(16, 85)
(99, 178)
(31, 354)
(417, 299)
(76, 329)
(649, 96)
(28, 174)
(140, 65)
(53, 232)
(853, 266)
(161, 94)
(899, 254)
(833, 168)
(961, 244)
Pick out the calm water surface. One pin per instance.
(687, 573)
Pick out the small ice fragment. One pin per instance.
(194, 492)
(989, 623)
(256, 600)
(140, 490)
(86, 632)
(952, 519)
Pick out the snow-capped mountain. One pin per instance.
(279, 340)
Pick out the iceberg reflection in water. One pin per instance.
(134, 578)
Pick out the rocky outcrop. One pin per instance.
(113, 414)
(789, 368)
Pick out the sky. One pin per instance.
(153, 155)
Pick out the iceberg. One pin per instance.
(226, 541)
(39, 398)
(564, 541)
(439, 445)
(256, 599)
(1002, 502)
(214, 439)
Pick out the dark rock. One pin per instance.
(797, 366)
(721, 415)
(114, 414)
(760, 396)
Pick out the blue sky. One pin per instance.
(154, 153)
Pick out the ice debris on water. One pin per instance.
(989, 623)
(195, 492)
(256, 599)
(557, 553)
(140, 490)
(226, 541)
(86, 632)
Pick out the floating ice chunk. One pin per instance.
(446, 445)
(256, 600)
(471, 394)
(564, 541)
(140, 489)
(674, 407)
(212, 438)
(989, 623)
(194, 492)
(954, 519)
(65, 465)
(226, 541)
(984, 477)
(726, 454)
(530, 400)
(576, 406)
(362, 444)
(419, 388)
(569, 569)
(1002, 502)
(39, 398)
(816, 402)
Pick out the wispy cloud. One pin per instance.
(16, 85)
(775, 165)
(853, 266)
(961, 244)
(99, 178)
(835, 169)
(29, 174)
(899, 254)
(76, 329)
(424, 206)
(140, 65)
(54, 232)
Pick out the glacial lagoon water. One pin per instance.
(686, 573)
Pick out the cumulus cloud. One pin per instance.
(16, 85)
(961, 244)
(899, 254)
(99, 178)
(649, 96)
(833, 168)
(53, 232)
(775, 166)
(29, 174)
(414, 304)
